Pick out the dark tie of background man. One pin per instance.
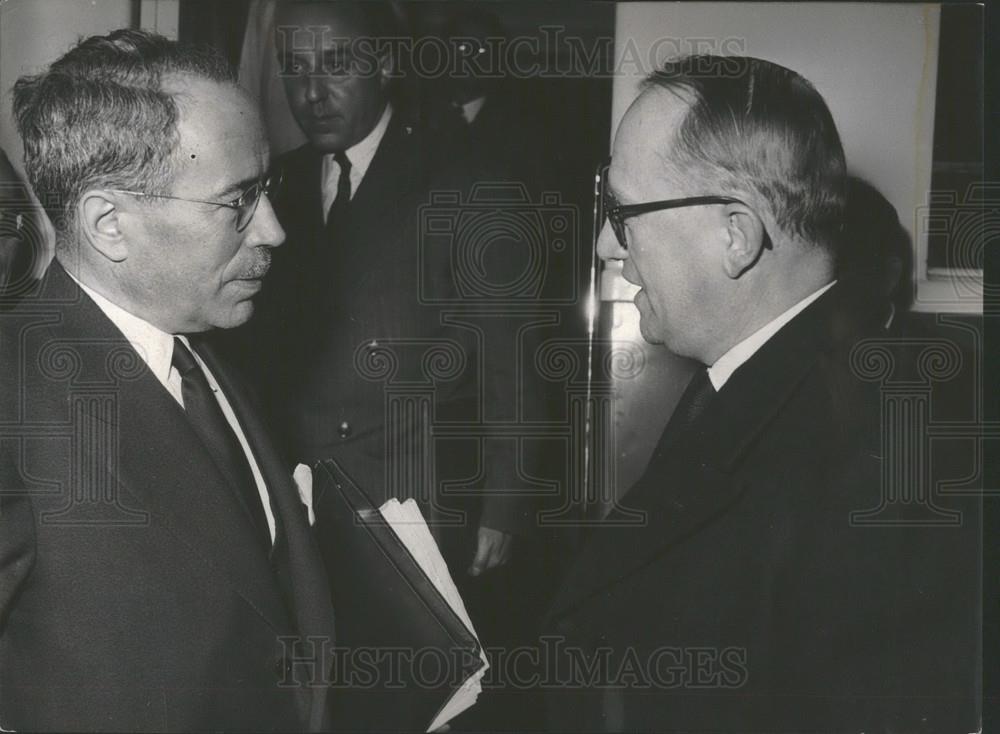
(213, 429)
(339, 206)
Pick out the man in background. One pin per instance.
(774, 584)
(156, 569)
(344, 298)
(875, 257)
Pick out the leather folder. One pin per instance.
(401, 651)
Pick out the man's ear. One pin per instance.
(746, 239)
(98, 220)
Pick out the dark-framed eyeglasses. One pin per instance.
(616, 213)
(245, 204)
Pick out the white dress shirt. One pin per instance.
(720, 372)
(156, 348)
(360, 155)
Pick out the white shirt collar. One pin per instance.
(471, 108)
(156, 347)
(724, 367)
(360, 155)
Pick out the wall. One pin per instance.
(35, 32)
(875, 65)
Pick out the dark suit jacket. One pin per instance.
(134, 595)
(350, 321)
(749, 599)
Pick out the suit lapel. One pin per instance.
(394, 169)
(160, 461)
(696, 478)
(277, 475)
(253, 430)
(313, 608)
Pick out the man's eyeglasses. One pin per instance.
(245, 204)
(617, 213)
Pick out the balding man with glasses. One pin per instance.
(157, 571)
(763, 574)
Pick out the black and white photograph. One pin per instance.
(499, 366)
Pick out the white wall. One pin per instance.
(874, 64)
(34, 33)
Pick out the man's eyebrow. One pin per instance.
(239, 187)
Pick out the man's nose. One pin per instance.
(265, 229)
(608, 246)
(315, 88)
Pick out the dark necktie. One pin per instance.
(696, 398)
(338, 208)
(213, 429)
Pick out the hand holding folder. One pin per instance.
(407, 656)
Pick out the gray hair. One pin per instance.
(756, 127)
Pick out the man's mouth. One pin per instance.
(324, 122)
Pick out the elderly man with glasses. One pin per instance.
(156, 567)
(774, 581)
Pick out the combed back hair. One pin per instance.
(759, 129)
(99, 117)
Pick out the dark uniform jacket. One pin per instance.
(357, 344)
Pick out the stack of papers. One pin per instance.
(408, 523)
